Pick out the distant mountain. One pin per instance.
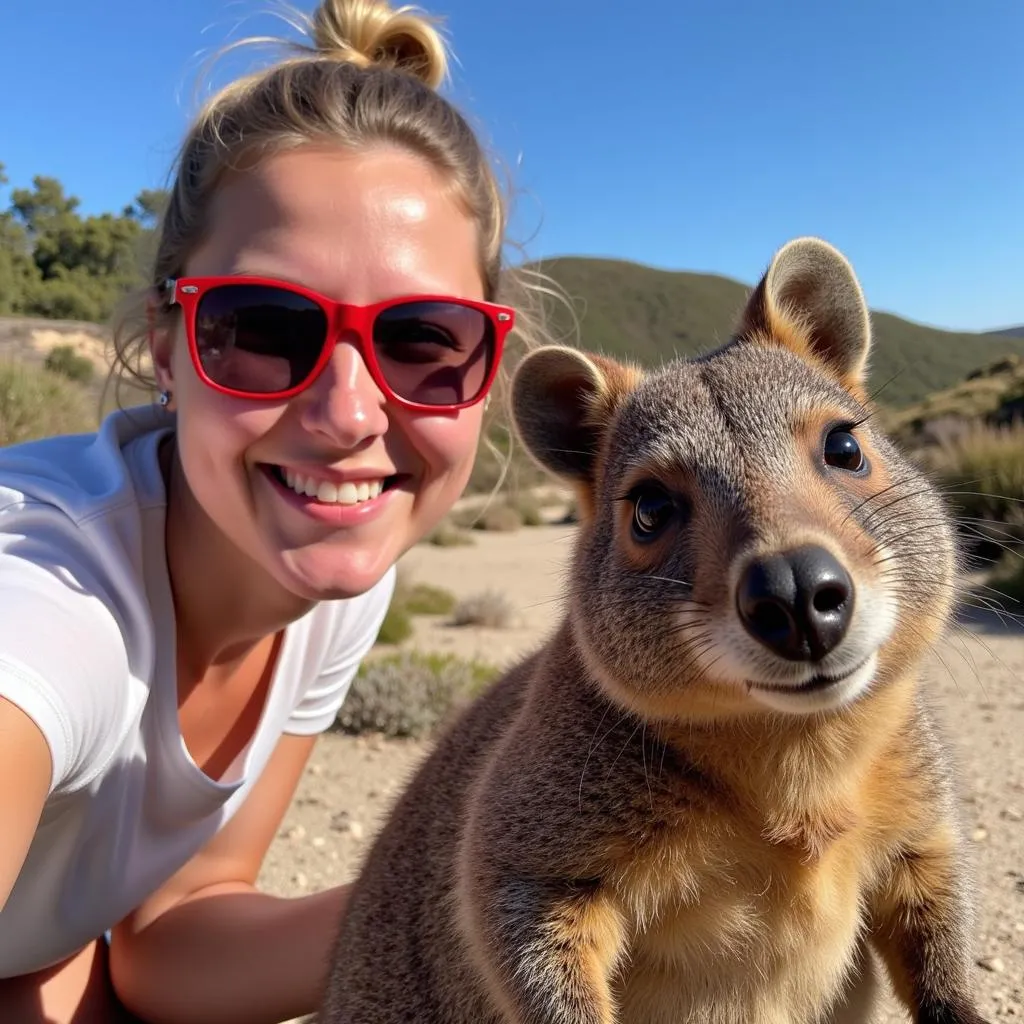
(650, 315)
(1007, 332)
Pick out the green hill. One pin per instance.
(629, 309)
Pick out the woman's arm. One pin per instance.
(25, 770)
(209, 947)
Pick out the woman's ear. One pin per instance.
(160, 341)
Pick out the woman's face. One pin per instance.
(358, 227)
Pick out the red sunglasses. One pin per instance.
(255, 337)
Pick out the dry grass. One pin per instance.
(490, 608)
(499, 516)
(982, 472)
(36, 403)
(447, 535)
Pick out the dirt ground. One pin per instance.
(978, 676)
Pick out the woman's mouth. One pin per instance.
(328, 493)
(336, 503)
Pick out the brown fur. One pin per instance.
(625, 828)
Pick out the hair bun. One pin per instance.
(371, 32)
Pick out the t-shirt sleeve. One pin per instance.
(354, 628)
(63, 659)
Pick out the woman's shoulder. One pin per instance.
(83, 475)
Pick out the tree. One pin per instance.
(44, 206)
(18, 272)
(148, 206)
(56, 263)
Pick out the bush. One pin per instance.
(411, 694)
(491, 608)
(528, 508)
(448, 535)
(1008, 579)
(982, 471)
(502, 518)
(36, 403)
(426, 599)
(63, 359)
(397, 625)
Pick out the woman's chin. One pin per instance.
(333, 572)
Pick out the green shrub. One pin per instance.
(426, 599)
(63, 359)
(410, 693)
(397, 625)
(36, 403)
(491, 608)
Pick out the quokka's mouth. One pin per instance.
(820, 681)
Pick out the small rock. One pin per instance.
(372, 794)
(339, 821)
(316, 769)
(1019, 886)
(296, 832)
(992, 963)
(356, 829)
(319, 842)
(300, 879)
(1019, 926)
(1011, 814)
(979, 834)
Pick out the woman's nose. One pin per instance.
(344, 402)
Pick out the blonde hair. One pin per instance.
(369, 75)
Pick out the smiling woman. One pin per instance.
(186, 595)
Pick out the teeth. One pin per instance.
(326, 492)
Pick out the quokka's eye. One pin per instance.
(653, 510)
(843, 451)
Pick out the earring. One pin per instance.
(487, 402)
(165, 398)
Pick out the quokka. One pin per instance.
(719, 783)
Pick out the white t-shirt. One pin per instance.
(87, 650)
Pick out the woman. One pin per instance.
(186, 595)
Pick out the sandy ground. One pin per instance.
(31, 339)
(978, 676)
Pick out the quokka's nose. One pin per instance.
(797, 603)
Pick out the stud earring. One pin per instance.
(165, 398)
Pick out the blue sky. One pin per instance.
(687, 135)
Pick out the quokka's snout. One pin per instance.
(797, 603)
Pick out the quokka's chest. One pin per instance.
(728, 927)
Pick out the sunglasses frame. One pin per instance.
(187, 292)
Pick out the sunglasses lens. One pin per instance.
(258, 339)
(434, 353)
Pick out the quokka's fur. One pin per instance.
(632, 825)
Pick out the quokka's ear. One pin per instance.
(562, 403)
(810, 301)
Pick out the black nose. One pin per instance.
(797, 603)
